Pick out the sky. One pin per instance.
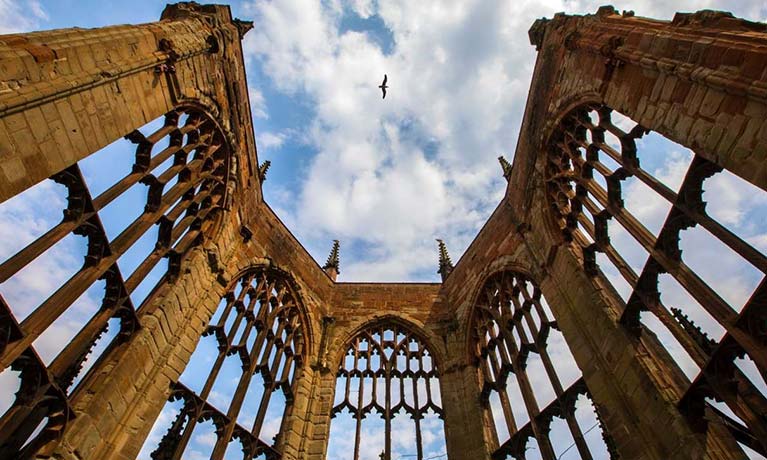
(386, 177)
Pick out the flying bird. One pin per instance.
(383, 87)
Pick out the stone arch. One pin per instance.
(510, 330)
(259, 321)
(508, 263)
(342, 343)
(388, 367)
(306, 313)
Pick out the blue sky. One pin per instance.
(386, 177)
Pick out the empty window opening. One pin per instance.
(387, 404)
(245, 390)
(522, 381)
(702, 281)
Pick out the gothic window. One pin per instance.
(387, 371)
(672, 269)
(59, 312)
(231, 399)
(523, 361)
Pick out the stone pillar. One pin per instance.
(467, 428)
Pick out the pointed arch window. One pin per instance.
(239, 382)
(387, 384)
(531, 387)
(123, 219)
(606, 175)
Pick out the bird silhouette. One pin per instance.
(383, 86)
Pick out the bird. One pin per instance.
(383, 87)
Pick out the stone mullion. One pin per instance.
(429, 400)
(417, 415)
(541, 346)
(485, 370)
(496, 368)
(115, 303)
(608, 249)
(526, 389)
(169, 442)
(721, 375)
(709, 299)
(51, 308)
(96, 261)
(508, 414)
(291, 345)
(29, 408)
(503, 395)
(632, 279)
(390, 365)
(358, 407)
(146, 266)
(278, 355)
(262, 333)
(271, 342)
(256, 351)
(263, 366)
(744, 399)
(223, 348)
(289, 401)
(222, 441)
(697, 173)
(702, 293)
(262, 408)
(186, 436)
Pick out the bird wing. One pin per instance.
(385, 78)
(383, 88)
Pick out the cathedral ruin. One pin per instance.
(528, 293)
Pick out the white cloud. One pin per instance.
(268, 140)
(257, 103)
(21, 16)
(392, 174)
(363, 8)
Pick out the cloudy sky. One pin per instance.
(386, 177)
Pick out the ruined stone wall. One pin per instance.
(699, 80)
(68, 93)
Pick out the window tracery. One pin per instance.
(511, 330)
(388, 370)
(592, 155)
(259, 324)
(181, 169)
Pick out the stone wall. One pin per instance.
(700, 80)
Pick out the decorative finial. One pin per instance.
(506, 167)
(242, 27)
(331, 267)
(263, 169)
(445, 264)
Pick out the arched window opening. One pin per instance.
(691, 272)
(531, 409)
(86, 254)
(241, 375)
(387, 393)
